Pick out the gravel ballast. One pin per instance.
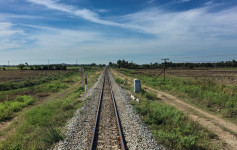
(80, 128)
(136, 133)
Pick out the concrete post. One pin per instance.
(137, 85)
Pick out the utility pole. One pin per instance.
(48, 64)
(76, 62)
(165, 61)
(8, 64)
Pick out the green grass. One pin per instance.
(9, 105)
(11, 85)
(215, 97)
(172, 128)
(39, 126)
(8, 108)
(169, 125)
(119, 80)
(52, 87)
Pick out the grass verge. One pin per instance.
(215, 97)
(170, 126)
(38, 127)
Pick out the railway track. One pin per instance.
(107, 133)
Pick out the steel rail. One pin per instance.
(117, 116)
(97, 115)
(115, 110)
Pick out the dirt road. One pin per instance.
(225, 130)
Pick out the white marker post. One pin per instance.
(85, 81)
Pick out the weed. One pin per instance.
(51, 135)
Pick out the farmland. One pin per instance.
(221, 76)
(20, 75)
(33, 101)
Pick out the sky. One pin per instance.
(100, 31)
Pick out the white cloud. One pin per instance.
(53, 4)
(83, 13)
(196, 30)
(151, 1)
(195, 23)
(5, 29)
(6, 33)
(209, 3)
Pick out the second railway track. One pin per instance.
(107, 132)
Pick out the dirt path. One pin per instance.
(221, 127)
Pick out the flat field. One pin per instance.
(20, 75)
(214, 89)
(221, 76)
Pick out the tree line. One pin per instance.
(42, 67)
(188, 65)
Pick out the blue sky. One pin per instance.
(141, 31)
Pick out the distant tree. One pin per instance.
(31, 67)
(93, 64)
(110, 64)
(37, 67)
(21, 66)
(45, 67)
(119, 63)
